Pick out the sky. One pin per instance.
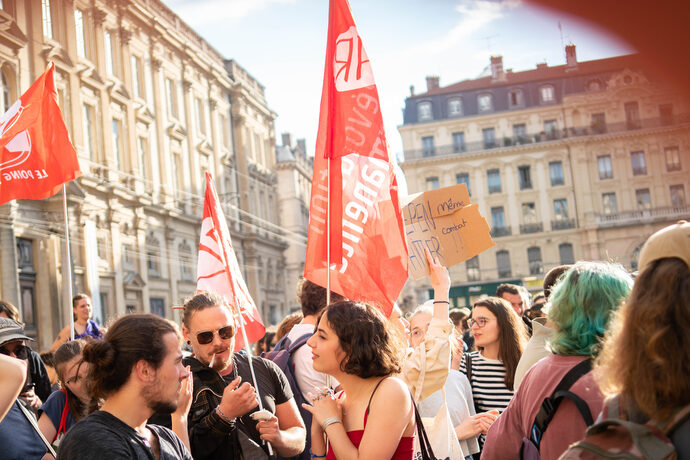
(282, 43)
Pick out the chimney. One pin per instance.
(497, 68)
(302, 147)
(411, 90)
(432, 82)
(287, 139)
(570, 56)
(542, 65)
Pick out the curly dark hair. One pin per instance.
(371, 348)
(312, 297)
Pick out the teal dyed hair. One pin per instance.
(581, 305)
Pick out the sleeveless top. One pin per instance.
(404, 451)
(92, 330)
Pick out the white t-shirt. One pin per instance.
(307, 378)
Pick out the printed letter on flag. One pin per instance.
(367, 243)
(219, 272)
(36, 156)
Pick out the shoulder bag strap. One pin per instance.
(33, 423)
(424, 444)
(62, 428)
(468, 367)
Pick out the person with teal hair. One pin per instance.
(583, 303)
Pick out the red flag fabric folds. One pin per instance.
(368, 251)
(36, 155)
(219, 272)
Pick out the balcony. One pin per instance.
(642, 216)
(531, 228)
(594, 129)
(562, 224)
(498, 232)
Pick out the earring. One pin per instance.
(189, 342)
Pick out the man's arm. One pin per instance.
(12, 376)
(285, 431)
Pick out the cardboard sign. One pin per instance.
(447, 224)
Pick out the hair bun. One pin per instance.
(99, 353)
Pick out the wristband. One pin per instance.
(330, 421)
(223, 416)
(441, 301)
(313, 455)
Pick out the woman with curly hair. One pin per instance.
(373, 418)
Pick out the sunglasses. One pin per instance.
(206, 337)
(20, 351)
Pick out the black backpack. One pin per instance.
(282, 357)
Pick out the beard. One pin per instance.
(152, 395)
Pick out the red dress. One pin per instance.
(404, 451)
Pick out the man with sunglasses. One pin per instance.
(18, 438)
(220, 421)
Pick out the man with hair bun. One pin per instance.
(137, 371)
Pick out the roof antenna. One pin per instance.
(488, 42)
(560, 27)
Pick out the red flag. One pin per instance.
(36, 155)
(368, 251)
(218, 270)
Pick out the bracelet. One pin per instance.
(223, 416)
(313, 455)
(330, 421)
(441, 301)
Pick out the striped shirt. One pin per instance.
(488, 388)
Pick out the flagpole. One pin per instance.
(328, 233)
(69, 258)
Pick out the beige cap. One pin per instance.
(672, 241)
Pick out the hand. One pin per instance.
(476, 424)
(238, 399)
(184, 399)
(270, 431)
(486, 419)
(438, 277)
(323, 406)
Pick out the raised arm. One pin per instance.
(12, 377)
(285, 431)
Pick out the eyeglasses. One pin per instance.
(479, 322)
(206, 337)
(20, 351)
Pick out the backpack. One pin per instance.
(530, 447)
(618, 437)
(282, 357)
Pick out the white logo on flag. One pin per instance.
(21, 143)
(351, 66)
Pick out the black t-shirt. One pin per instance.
(102, 435)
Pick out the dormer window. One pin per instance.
(594, 85)
(547, 94)
(485, 103)
(515, 98)
(424, 111)
(455, 107)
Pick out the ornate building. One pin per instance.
(581, 161)
(149, 106)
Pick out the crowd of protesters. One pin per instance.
(597, 355)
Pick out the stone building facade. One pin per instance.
(150, 106)
(581, 161)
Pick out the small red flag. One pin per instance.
(368, 251)
(219, 272)
(36, 155)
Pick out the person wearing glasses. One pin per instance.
(220, 419)
(18, 438)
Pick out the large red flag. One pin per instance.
(218, 270)
(36, 155)
(368, 251)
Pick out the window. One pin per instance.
(672, 159)
(666, 114)
(424, 111)
(529, 213)
(494, 179)
(185, 253)
(157, 306)
(547, 94)
(428, 146)
(605, 169)
(432, 183)
(608, 203)
(503, 263)
(560, 209)
(88, 127)
(463, 178)
(643, 198)
(200, 116)
(454, 107)
(108, 45)
(525, 177)
(171, 98)
(153, 248)
(143, 148)
(458, 142)
(551, 129)
(566, 254)
(485, 103)
(638, 165)
(47, 19)
(515, 98)
(117, 143)
(6, 99)
(489, 138)
(520, 133)
(127, 255)
(223, 128)
(137, 82)
(632, 115)
(498, 217)
(556, 173)
(598, 123)
(677, 195)
(472, 266)
(534, 260)
(80, 33)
